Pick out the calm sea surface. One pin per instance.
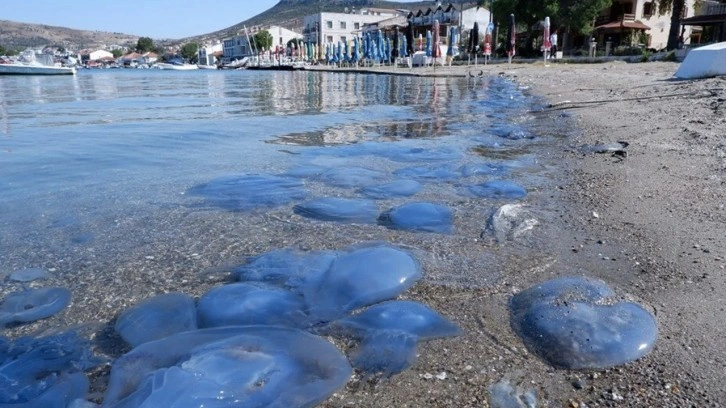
(95, 169)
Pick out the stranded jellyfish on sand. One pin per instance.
(389, 333)
(396, 188)
(578, 323)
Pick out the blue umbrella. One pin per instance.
(404, 47)
(354, 54)
(346, 55)
(339, 53)
(327, 52)
(428, 43)
(381, 46)
(452, 39)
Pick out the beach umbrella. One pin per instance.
(546, 38)
(404, 46)
(409, 39)
(346, 56)
(354, 57)
(452, 40)
(511, 38)
(338, 53)
(428, 43)
(396, 52)
(436, 53)
(488, 40)
(381, 46)
(327, 52)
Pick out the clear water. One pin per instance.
(96, 169)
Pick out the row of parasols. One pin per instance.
(380, 47)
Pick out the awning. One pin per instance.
(620, 25)
(708, 19)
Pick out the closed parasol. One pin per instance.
(511, 38)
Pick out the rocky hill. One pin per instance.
(286, 13)
(14, 35)
(290, 13)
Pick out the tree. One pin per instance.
(263, 40)
(117, 53)
(676, 8)
(189, 50)
(144, 44)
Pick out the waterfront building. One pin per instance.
(329, 28)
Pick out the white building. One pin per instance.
(242, 45)
(99, 54)
(205, 54)
(324, 28)
(462, 17)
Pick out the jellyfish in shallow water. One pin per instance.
(251, 366)
(361, 277)
(33, 304)
(345, 210)
(156, 318)
(396, 188)
(498, 189)
(350, 176)
(248, 192)
(29, 275)
(426, 217)
(435, 173)
(287, 268)
(578, 323)
(245, 304)
(44, 371)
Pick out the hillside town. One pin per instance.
(447, 31)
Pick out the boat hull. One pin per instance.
(18, 69)
(176, 67)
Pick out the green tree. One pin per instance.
(117, 53)
(144, 44)
(262, 40)
(189, 50)
(2, 50)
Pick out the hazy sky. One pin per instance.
(149, 18)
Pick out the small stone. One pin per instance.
(427, 376)
(441, 375)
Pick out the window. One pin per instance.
(356, 26)
(329, 24)
(330, 39)
(343, 39)
(648, 9)
(342, 25)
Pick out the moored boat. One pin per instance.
(177, 66)
(34, 65)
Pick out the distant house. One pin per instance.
(462, 16)
(99, 55)
(206, 53)
(636, 22)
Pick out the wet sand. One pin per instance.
(650, 224)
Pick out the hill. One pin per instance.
(15, 35)
(290, 14)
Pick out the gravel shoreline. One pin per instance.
(648, 222)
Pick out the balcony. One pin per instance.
(602, 20)
(711, 8)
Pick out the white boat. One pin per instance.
(177, 66)
(704, 62)
(31, 64)
(202, 66)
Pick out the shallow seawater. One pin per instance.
(126, 184)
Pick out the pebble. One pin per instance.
(441, 375)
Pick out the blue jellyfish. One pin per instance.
(156, 318)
